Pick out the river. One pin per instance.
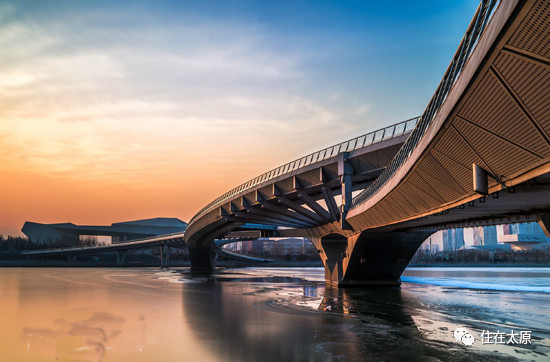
(270, 314)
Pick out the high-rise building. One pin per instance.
(490, 235)
(459, 238)
(453, 239)
(448, 240)
(478, 235)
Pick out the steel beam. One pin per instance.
(301, 210)
(331, 203)
(288, 212)
(249, 217)
(345, 171)
(275, 216)
(318, 209)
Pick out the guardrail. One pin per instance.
(326, 153)
(470, 39)
(87, 248)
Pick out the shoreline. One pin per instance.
(186, 263)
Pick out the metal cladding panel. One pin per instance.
(425, 191)
(461, 174)
(408, 201)
(386, 212)
(398, 210)
(502, 158)
(375, 217)
(492, 108)
(415, 197)
(378, 215)
(530, 80)
(454, 147)
(532, 34)
(440, 179)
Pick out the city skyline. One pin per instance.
(114, 112)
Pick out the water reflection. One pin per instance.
(250, 315)
(83, 340)
(287, 319)
(239, 324)
(94, 315)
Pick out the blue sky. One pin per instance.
(174, 103)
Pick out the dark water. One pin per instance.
(263, 314)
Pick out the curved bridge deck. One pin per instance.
(479, 153)
(301, 194)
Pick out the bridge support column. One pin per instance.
(345, 172)
(165, 256)
(368, 259)
(203, 258)
(544, 222)
(201, 249)
(120, 257)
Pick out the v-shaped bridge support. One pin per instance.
(368, 259)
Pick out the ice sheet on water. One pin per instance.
(469, 284)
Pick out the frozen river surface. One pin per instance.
(270, 314)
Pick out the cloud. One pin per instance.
(15, 79)
(97, 97)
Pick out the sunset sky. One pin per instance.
(115, 110)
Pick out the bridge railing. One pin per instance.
(470, 39)
(124, 243)
(326, 153)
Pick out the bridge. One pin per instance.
(478, 155)
(164, 242)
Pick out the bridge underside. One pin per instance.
(368, 259)
(495, 119)
(497, 116)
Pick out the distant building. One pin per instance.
(448, 242)
(459, 238)
(453, 239)
(490, 235)
(523, 236)
(273, 247)
(477, 236)
(68, 234)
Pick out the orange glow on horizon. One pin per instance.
(112, 113)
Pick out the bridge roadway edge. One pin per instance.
(218, 222)
(359, 256)
(439, 125)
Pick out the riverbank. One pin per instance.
(481, 265)
(136, 261)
